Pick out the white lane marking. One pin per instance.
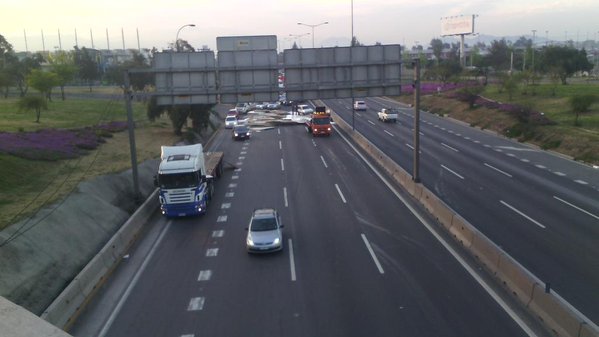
(498, 150)
(358, 114)
(278, 131)
(324, 162)
(340, 194)
(524, 160)
(576, 207)
(559, 174)
(371, 122)
(221, 218)
(522, 214)
(447, 246)
(498, 170)
(133, 282)
(450, 170)
(196, 304)
(313, 143)
(510, 155)
(188, 335)
(410, 146)
(389, 133)
(237, 169)
(282, 165)
(243, 152)
(420, 132)
(225, 205)
(219, 233)
(229, 194)
(376, 260)
(211, 252)
(233, 185)
(285, 196)
(458, 134)
(280, 145)
(234, 177)
(239, 163)
(582, 182)
(467, 138)
(205, 275)
(477, 141)
(449, 147)
(292, 261)
(487, 145)
(241, 158)
(542, 167)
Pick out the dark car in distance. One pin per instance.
(241, 131)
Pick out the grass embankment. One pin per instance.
(28, 185)
(578, 141)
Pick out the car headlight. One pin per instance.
(276, 241)
(236, 134)
(249, 241)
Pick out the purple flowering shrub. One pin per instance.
(55, 144)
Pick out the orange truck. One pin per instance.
(319, 122)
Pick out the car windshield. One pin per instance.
(241, 128)
(263, 224)
(230, 119)
(321, 121)
(178, 180)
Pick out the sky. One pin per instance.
(406, 22)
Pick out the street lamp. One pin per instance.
(177, 38)
(313, 26)
(298, 36)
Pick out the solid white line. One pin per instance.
(280, 145)
(340, 194)
(376, 260)
(522, 214)
(498, 170)
(285, 196)
(389, 133)
(448, 169)
(133, 282)
(371, 122)
(578, 208)
(324, 162)
(449, 147)
(446, 245)
(282, 165)
(292, 261)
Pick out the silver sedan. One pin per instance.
(264, 231)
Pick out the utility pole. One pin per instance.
(132, 147)
(416, 173)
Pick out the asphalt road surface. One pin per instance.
(356, 261)
(541, 208)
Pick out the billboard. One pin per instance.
(457, 25)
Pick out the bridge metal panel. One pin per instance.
(342, 72)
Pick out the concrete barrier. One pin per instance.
(462, 230)
(557, 314)
(65, 308)
(551, 311)
(486, 251)
(437, 207)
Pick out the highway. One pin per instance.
(356, 262)
(539, 207)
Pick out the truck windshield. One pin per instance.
(321, 121)
(178, 180)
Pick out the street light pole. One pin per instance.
(534, 31)
(177, 37)
(313, 26)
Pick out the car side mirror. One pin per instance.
(281, 226)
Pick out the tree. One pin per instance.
(437, 46)
(509, 83)
(20, 69)
(563, 62)
(499, 55)
(294, 45)
(36, 103)
(355, 42)
(87, 65)
(200, 116)
(581, 104)
(43, 81)
(139, 81)
(64, 73)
